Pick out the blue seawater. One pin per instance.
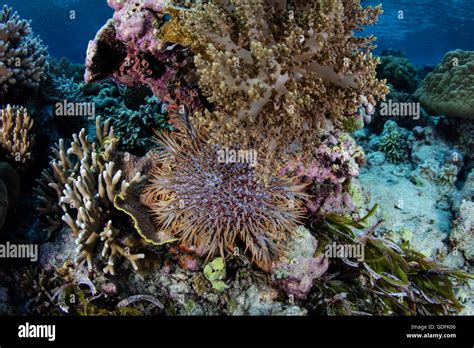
(428, 30)
(51, 20)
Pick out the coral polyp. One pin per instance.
(219, 206)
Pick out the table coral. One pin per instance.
(15, 133)
(449, 90)
(22, 55)
(80, 190)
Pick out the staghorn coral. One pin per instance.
(449, 90)
(219, 206)
(278, 72)
(22, 55)
(80, 189)
(9, 190)
(15, 137)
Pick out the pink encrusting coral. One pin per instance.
(130, 48)
(336, 160)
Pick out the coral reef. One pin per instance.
(218, 206)
(394, 143)
(398, 70)
(296, 275)
(9, 190)
(81, 189)
(448, 90)
(15, 137)
(336, 160)
(22, 55)
(285, 65)
(281, 82)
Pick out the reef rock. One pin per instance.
(296, 275)
(462, 233)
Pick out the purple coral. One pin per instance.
(129, 49)
(336, 160)
(296, 275)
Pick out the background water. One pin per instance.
(429, 29)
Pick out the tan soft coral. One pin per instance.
(15, 133)
(81, 189)
(279, 73)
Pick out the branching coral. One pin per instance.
(278, 71)
(395, 147)
(15, 137)
(217, 205)
(22, 56)
(81, 189)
